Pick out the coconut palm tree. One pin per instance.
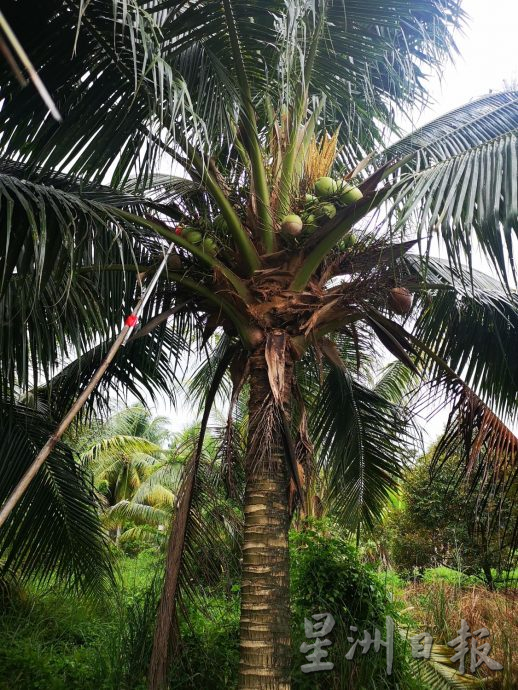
(206, 124)
(122, 452)
(151, 507)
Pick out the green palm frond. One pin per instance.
(395, 383)
(68, 277)
(166, 479)
(143, 369)
(55, 529)
(114, 60)
(470, 322)
(143, 534)
(137, 513)
(137, 420)
(119, 445)
(461, 180)
(379, 58)
(363, 445)
(201, 380)
(134, 71)
(123, 462)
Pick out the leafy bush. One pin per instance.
(327, 576)
(439, 523)
(210, 646)
(49, 641)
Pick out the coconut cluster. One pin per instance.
(196, 237)
(321, 206)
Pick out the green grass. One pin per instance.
(50, 640)
(53, 641)
(460, 579)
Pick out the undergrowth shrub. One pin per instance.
(327, 577)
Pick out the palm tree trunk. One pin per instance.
(265, 605)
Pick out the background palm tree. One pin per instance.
(254, 102)
(122, 452)
(214, 546)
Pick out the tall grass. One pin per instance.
(439, 607)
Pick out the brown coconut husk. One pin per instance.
(400, 300)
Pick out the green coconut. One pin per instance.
(327, 211)
(194, 236)
(209, 246)
(348, 241)
(325, 187)
(292, 224)
(309, 219)
(310, 199)
(349, 195)
(220, 224)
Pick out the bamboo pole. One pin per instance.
(47, 449)
(33, 74)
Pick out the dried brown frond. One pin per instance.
(487, 443)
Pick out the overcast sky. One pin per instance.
(488, 56)
(488, 60)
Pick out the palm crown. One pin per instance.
(252, 104)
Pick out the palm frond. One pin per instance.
(108, 76)
(395, 382)
(117, 445)
(471, 322)
(439, 673)
(68, 275)
(487, 448)
(461, 180)
(144, 368)
(128, 73)
(379, 54)
(137, 513)
(55, 529)
(363, 447)
(202, 378)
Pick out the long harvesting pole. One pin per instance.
(47, 449)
